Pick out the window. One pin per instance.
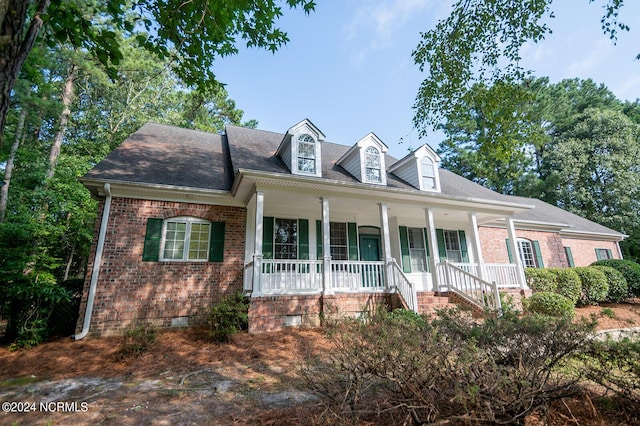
(527, 255)
(428, 172)
(306, 154)
(285, 244)
(372, 165)
(417, 251)
(185, 239)
(452, 246)
(338, 238)
(602, 254)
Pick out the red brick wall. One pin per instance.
(494, 247)
(270, 313)
(584, 251)
(131, 292)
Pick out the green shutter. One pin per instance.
(463, 246)
(442, 249)
(509, 252)
(567, 251)
(267, 237)
(610, 254)
(538, 253)
(303, 239)
(152, 239)
(319, 240)
(352, 232)
(598, 255)
(216, 242)
(404, 249)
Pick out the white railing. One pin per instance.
(399, 280)
(469, 286)
(357, 276)
(290, 276)
(505, 275)
(248, 278)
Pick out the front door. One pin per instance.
(370, 251)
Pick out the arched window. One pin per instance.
(527, 255)
(428, 173)
(372, 165)
(306, 154)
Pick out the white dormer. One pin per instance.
(420, 169)
(365, 160)
(300, 149)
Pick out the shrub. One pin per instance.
(540, 279)
(228, 318)
(618, 289)
(137, 341)
(567, 283)
(630, 270)
(594, 285)
(456, 369)
(552, 304)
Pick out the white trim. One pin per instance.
(189, 221)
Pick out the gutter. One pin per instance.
(97, 262)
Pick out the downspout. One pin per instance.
(95, 272)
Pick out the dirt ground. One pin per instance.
(184, 379)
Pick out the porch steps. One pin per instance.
(429, 302)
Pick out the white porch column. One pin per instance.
(513, 245)
(257, 251)
(433, 247)
(475, 240)
(386, 241)
(326, 248)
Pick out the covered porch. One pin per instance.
(346, 243)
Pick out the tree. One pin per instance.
(192, 34)
(480, 42)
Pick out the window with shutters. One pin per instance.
(452, 246)
(339, 242)
(185, 238)
(602, 254)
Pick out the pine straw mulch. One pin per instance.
(251, 380)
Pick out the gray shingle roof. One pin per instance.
(166, 155)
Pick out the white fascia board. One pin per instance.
(586, 235)
(157, 192)
(374, 191)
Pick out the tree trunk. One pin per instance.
(8, 171)
(67, 97)
(15, 45)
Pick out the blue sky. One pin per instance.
(348, 67)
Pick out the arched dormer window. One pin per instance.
(428, 173)
(372, 165)
(306, 154)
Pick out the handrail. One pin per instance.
(404, 286)
(472, 288)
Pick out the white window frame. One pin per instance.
(368, 152)
(417, 255)
(295, 244)
(306, 139)
(527, 253)
(333, 247)
(428, 176)
(189, 222)
(452, 249)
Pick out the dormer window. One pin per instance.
(306, 154)
(428, 173)
(372, 165)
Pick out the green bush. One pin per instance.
(567, 283)
(618, 288)
(540, 279)
(552, 304)
(594, 285)
(137, 341)
(630, 270)
(228, 318)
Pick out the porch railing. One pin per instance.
(505, 275)
(470, 287)
(357, 275)
(400, 281)
(284, 276)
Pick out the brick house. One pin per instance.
(306, 228)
